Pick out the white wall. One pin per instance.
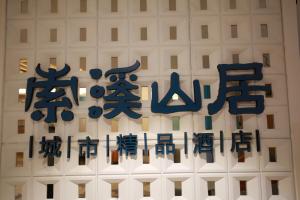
(2, 60)
(293, 72)
(162, 173)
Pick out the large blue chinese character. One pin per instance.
(51, 94)
(51, 148)
(162, 141)
(88, 143)
(241, 142)
(128, 143)
(248, 72)
(189, 104)
(121, 98)
(204, 143)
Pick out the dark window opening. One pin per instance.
(50, 191)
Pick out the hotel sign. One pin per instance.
(118, 96)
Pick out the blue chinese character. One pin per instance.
(162, 141)
(121, 98)
(241, 142)
(128, 143)
(51, 148)
(51, 94)
(88, 143)
(227, 76)
(96, 92)
(204, 143)
(189, 104)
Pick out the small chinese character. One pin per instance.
(162, 141)
(128, 143)
(51, 148)
(241, 142)
(204, 143)
(88, 143)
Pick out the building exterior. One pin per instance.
(190, 37)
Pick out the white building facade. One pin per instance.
(190, 37)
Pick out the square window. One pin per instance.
(114, 61)
(81, 190)
(50, 191)
(23, 35)
(207, 92)
(177, 156)
(232, 4)
(143, 5)
(174, 62)
(145, 123)
(21, 126)
(239, 122)
(269, 93)
(81, 159)
(241, 156)
(172, 5)
(176, 123)
(145, 93)
(264, 32)
(173, 32)
(144, 33)
(235, 58)
(51, 128)
(178, 188)
(204, 31)
(19, 159)
(114, 34)
(22, 95)
(23, 65)
(270, 121)
(82, 124)
(82, 35)
(115, 190)
(208, 123)
(205, 61)
(266, 60)
(262, 3)
(146, 189)
(243, 188)
(234, 31)
(18, 192)
(83, 6)
(203, 4)
(114, 157)
(175, 97)
(53, 35)
(114, 5)
(146, 157)
(52, 63)
(272, 154)
(24, 6)
(50, 161)
(82, 94)
(54, 6)
(82, 64)
(274, 186)
(114, 125)
(144, 62)
(211, 188)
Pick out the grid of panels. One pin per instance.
(189, 37)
